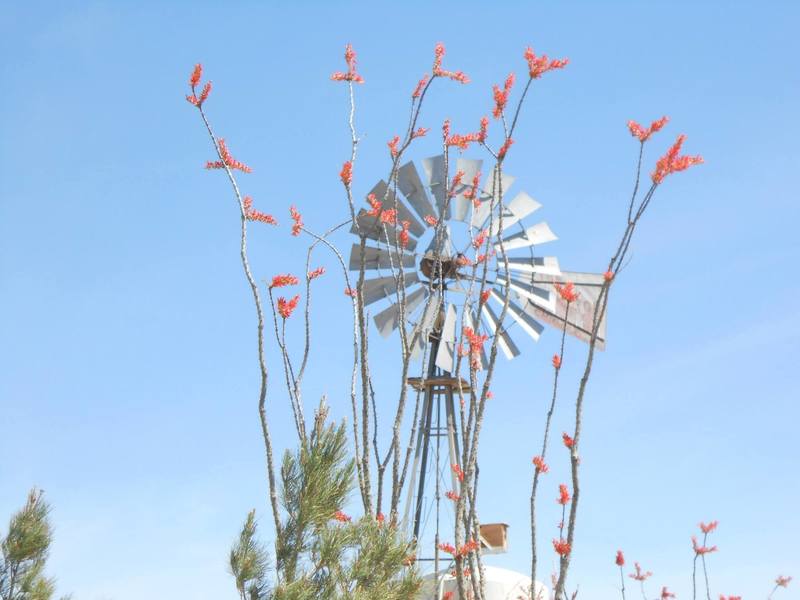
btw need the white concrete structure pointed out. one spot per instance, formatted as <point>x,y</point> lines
<point>501,584</point>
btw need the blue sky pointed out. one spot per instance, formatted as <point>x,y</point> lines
<point>127,370</point>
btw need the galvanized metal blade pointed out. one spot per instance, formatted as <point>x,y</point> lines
<point>461,205</point>
<point>530,325</point>
<point>532,236</point>
<point>424,326</point>
<point>481,214</point>
<point>437,182</point>
<point>505,342</point>
<point>382,287</point>
<point>543,296</point>
<point>409,182</point>
<point>388,319</point>
<point>380,258</point>
<point>447,344</point>
<point>520,207</point>
<point>543,265</point>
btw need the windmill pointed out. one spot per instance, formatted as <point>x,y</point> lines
<point>436,281</point>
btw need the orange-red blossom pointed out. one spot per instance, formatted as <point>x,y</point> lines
<point>539,65</point>
<point>643,134</point>
<point>351,75</point>
<point>671,162</point>
<point>639,575</point>
<point>286,307</point>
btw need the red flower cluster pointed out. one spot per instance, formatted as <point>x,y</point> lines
<point>472,192</point>
<point>561,547</point>
<point>476,342</point>
<point>556,361</point>
<point>315,273</point>
<point>420,86</point>
<point>460,141</point>
<point>341,517</point>
<point>666,594</point>
<point>350,292</point>
<point>431,220</point>
<point>452,496</point>
<point>485,296</point>
<point>458,471</point>
<point>298,220</point>
<point>420,132</point>
<point>782,581</point>
<point>283,281</point>
<point>539,65</point>
<point>351,75</point>
<point>465,548</point>
<point>439,72</point>
<point>643,134</point>
<point>708,527</point>
<point>620,560</point>
<point>672,163</point>
<point>346,174</point>
<point>455,183</point>
<point>698,549</point>
<point>504,148</point>
<point>286,307</point>
<point>449,548</point>
<point>227,160</point>
<point>568,441</point>
<point>567,292</point>
<point>482,257</point>
<point>380,518</point>
<point>608,275</point>
<point>393,145</point>
<point>403,236</point>
<point>389,216</point>
<point>375,204</point>
<point>540,465</point>
<point>480,239</point>
<point>501,96</point>
<point>256,215</point>
<point>563,494</point>
<point>639,575</point>
<point>194,81</point>
<point>723,597</point>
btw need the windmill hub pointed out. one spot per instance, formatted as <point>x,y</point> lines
<point>439,268</point>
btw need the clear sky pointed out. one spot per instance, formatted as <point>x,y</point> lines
<point>128,376</point>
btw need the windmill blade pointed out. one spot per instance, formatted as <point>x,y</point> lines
<point>413,189</point>
<point>382,287</point>
<point>380,258</point>
<point>543,296</point>
<point>423,327</point>
<point>460,204</point>
<point>530,325</point>
<point>505,342</point>
<point>532,236</point>
<point>581,312</point>
<point>447,343</point>
<point>387,320</point>
<point>381,191</point>
<point>520,207</point>
<point>543,265</point>
<point>371,227</point>
<point>437,182</point>
<point>481,215</point>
